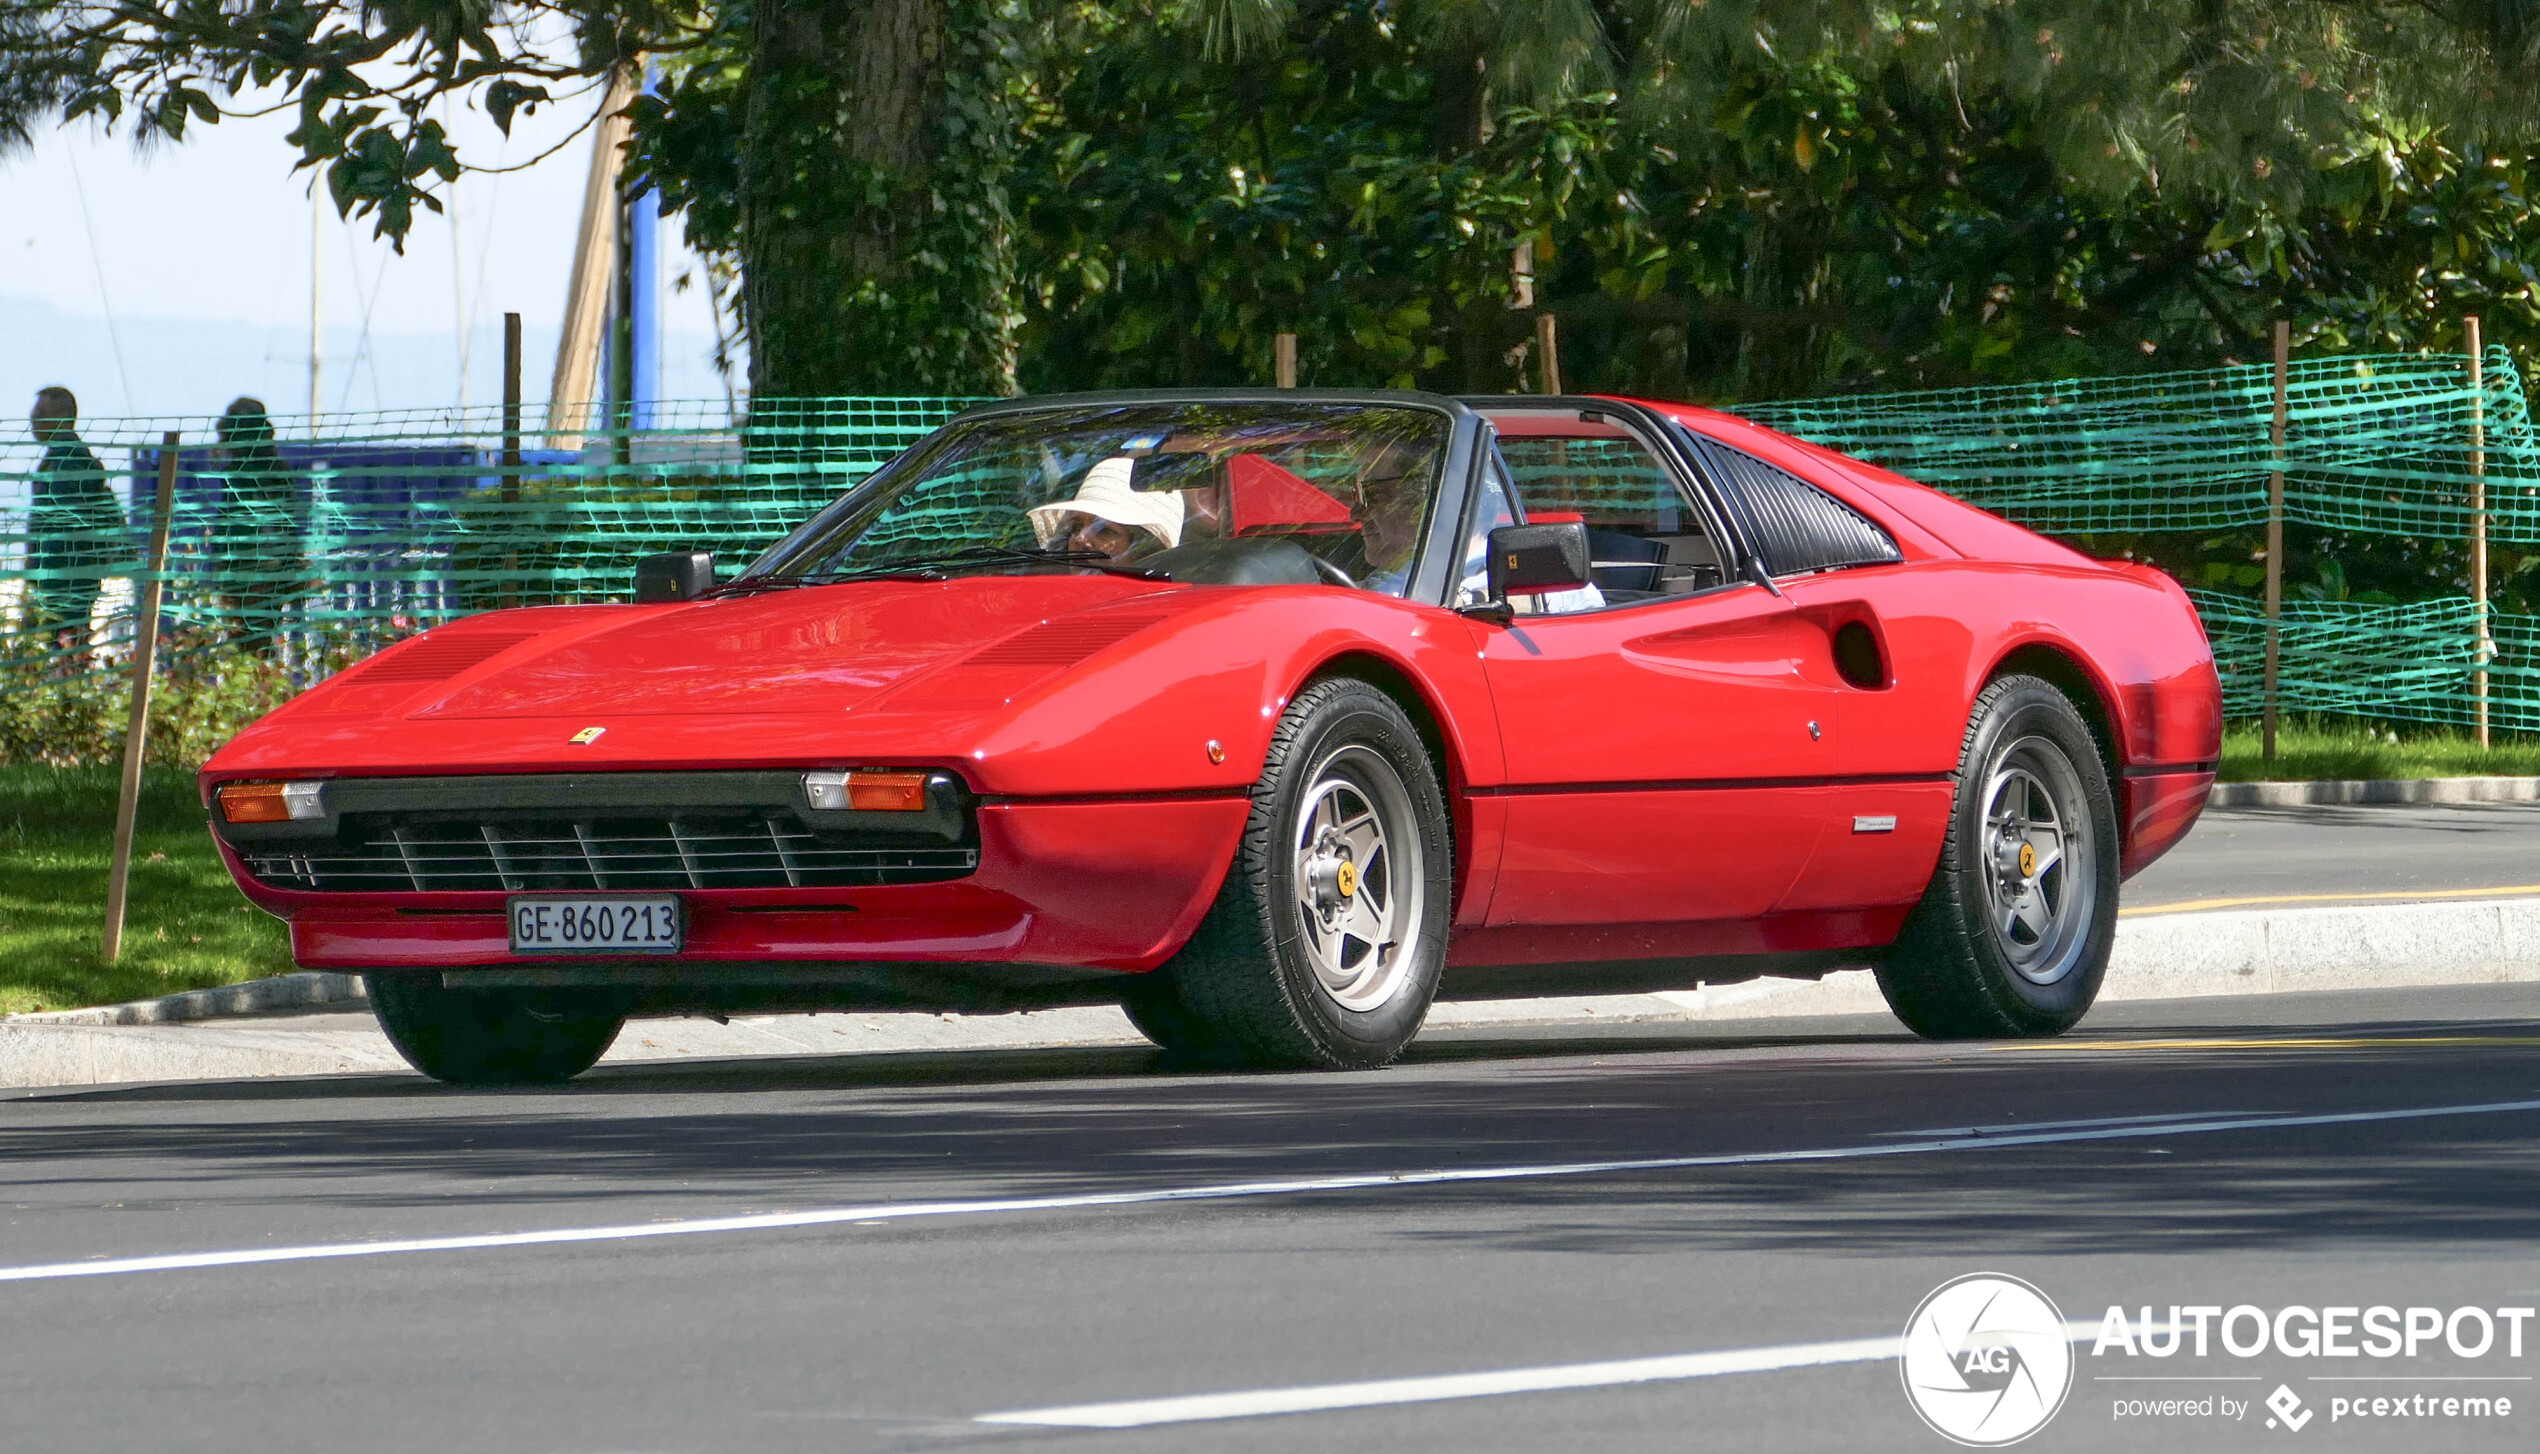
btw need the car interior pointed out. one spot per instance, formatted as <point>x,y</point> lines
<point>1646,537</point>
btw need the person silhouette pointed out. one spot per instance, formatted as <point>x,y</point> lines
<point>257,556</point>
<point>75,528</point>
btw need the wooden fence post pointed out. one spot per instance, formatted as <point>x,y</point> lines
<point>1283,351</point>
<point>2275,533</point>
<point>2485,646</point>
<point>1548,344</point>
<point>145,654</point>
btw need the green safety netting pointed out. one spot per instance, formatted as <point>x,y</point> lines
<point>313,540</point>
<point>2379,443</point>
<point>2415,662</point>
<point>291,534</point>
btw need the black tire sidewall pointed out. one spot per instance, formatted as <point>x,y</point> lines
<point>2031,708</point>
<point>492,1037</point>
<point>1355,714</point>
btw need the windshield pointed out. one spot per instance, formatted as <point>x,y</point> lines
<point>1227,493</point>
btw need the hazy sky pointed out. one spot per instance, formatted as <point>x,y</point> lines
<point>200,255</point>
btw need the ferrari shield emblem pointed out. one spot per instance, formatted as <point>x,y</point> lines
<point>587,736</point>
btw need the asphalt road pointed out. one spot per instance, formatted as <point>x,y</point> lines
<point>2228,1152</point>
<point>2328,855</point>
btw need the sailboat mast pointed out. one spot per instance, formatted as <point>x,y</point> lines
<point>317,299</point>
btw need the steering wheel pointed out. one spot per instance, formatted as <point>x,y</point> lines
<point>1331,572</point>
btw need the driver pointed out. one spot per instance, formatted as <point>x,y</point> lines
<point>1110,517</point>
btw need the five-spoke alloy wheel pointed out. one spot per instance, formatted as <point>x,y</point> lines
<point>1325,945</point>
<point>2013,935</point>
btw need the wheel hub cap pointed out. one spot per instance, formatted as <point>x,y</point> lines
<point>2041,879</point>
<point>1359,878</point>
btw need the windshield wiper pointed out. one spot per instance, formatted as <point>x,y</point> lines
<point>982,554</point>
<point>933,567</point>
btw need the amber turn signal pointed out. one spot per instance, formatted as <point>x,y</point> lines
<point>269,802</point>
<point>887,792</point>
<point>867,792</point>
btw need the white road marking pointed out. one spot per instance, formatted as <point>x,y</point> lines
<point>2019,1126</point>
<point>1253,1403</point>
<point>2217,1121</point>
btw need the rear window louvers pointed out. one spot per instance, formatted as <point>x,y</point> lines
<point>1796,526</point>
<point>438,657</point>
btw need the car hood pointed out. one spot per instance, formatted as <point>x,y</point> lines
<point>822,649</point>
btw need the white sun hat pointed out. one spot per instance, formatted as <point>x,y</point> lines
<point>1106,495</point>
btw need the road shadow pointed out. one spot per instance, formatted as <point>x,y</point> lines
<point>826,1130</point>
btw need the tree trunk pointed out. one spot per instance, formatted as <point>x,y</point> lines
<point>877,251</point>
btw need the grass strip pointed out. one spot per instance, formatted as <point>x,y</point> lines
<point>2325,751</point>
<point>186,927</point>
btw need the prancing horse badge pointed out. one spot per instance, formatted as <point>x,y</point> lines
<point>587,736</point>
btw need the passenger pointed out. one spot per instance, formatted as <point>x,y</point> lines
<point>1110,517</point>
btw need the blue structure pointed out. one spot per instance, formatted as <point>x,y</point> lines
<point>644,295</point>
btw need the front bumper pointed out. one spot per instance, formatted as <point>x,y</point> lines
<point>1099,884</point>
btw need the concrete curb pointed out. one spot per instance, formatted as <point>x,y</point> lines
<point>281,994</point>
<point>2173,956</point>
<point>2375,790</point>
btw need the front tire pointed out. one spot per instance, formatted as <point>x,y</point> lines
<point>1324,948</point>
<point>492,1036</point>
<point>2013,936</point>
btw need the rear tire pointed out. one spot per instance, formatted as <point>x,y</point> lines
<point>2013,936</point>
<point>493,1036</point>
<point>1324,948</point>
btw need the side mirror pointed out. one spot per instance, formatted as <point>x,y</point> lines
<point>674,575</point>
<point>1534,560</point>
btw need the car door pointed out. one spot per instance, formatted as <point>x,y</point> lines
<point>1658,734</point>
<point>1884,796</point>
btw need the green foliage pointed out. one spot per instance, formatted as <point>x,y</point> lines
<point>1729,199</point>
<point>203,697</point>
<point>1180,210</point>
<point>1765,205</point>
<point>186,926</point>
<point>865,195</point>
<point>363,77</point>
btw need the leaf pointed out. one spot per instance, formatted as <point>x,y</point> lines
<point>506,96</point>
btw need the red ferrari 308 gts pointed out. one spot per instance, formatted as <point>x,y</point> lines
<point>1270,716</point>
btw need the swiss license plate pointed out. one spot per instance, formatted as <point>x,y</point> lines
<point>616,924</point>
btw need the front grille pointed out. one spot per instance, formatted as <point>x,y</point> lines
<point>721,852</point>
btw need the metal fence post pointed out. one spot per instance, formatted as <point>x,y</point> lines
<point>2275,532</point>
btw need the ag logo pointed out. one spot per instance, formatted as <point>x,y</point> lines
<point>1987,1360</point>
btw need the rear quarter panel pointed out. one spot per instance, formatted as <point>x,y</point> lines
<point>1976,592</point>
